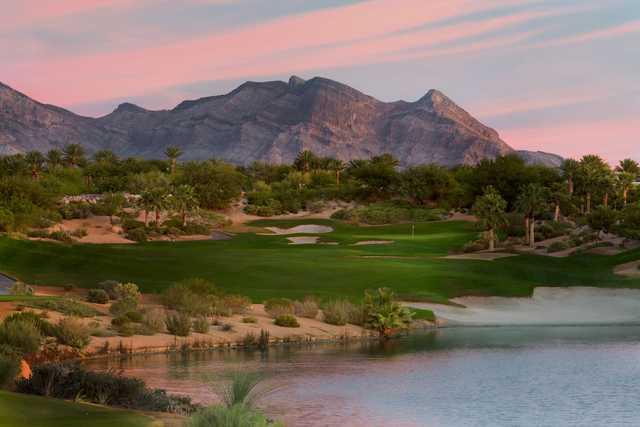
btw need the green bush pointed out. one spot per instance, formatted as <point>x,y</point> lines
<point>109,286</point>
<point>384,314</point>
<point>201,325</point>
<point>195,297</point>
<point>72,332</point>
<point>154,320</point>
<point>75,210</point>
<point>64,306</point>
<point>9,370</point>
<point>237,304</point>
<point>23,336</point>
<point>276,307</point>
<point>235,416</point>
<point>137,235</point>
<point>97,296</point>
<point>287,320</point>
<point>178,325</point>
<point>249,319</point>
<point>557,247</point>
<point>123,306</point>
<point>46,329</point>
<point>61,236</point>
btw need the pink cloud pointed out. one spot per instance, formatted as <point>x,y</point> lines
<point>536,101</point>
<point>233,54</point>
<point>616,31</point>
<point>613,139</point>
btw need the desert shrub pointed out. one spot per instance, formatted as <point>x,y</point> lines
<point>237,304</point>
<point>308,308</point>
<point>226,327</point>
<point>9,369</point>
<point>123,306</point>
<point>338,312</point>
<point>263,340</point>
<point>249,319</point>
<point>135,316</point>
<point>178,325</point>
<point>61,236</point>
<point>75,210</point>
<point>64,306</point>
<point>194,297</point>
<point>109,286</point>
<point>97,296</point>
<point>194,228</point>
<point>276,307</point>
<point>475,246</point>
<point>388,213</point>
<point>69,380</point>
<point>72,332</point>
<point>21,335</point>
<point>287,320</point>
<point>79,233</point>
<point>236,416</point>
<point>557,247</point>
<point>19,288</point>
<point>127,291</point>
<point>137,235</point>
<point>38,234</point>
<point>249,339</point>
<point>201,325</point>
<point>602,219</point>
<point>120,320</point>
<point>154,320</point>
<point>46,329</point>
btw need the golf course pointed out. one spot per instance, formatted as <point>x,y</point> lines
<point>262,265</point>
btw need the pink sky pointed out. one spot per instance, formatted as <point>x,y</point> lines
<point>89,55</point>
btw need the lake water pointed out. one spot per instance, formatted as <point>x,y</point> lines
<point>501,376</point>
<point>5,284</point>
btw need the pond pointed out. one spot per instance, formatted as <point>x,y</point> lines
<point>471,376</point>
<point>5,284</point>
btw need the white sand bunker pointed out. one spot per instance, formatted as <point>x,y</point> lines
<point>301,229</point>
<point>547,306</point>
<point>303,240</point>
<point>373,242</point>
<point>482,256</point>
<point>630,269</point>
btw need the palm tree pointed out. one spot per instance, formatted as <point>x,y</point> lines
<point>184,199</point>
<point>490,210</point>
<point>570,168</point>
<point>305,161</point>
<point>558,196</point>
<point>384,314</point>
<point>35,160</point>
<point>532,202</point>
<point>172,154</point>
<point>337,166</point>
<point>54,160</point>
<point>593,174</point>
<point>147,203</point>
<point>73,154</point>
<point>105,156</point>
<point>628,171</point>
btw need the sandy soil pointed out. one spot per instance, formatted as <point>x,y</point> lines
<point>301,229</point>
<point>629,269</point>
<point>481,256</point>
<point>547,306</point>
<point>373,242</point>
<point>459,216</point>
<point>99,230</point>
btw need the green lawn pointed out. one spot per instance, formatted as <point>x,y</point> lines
<point>34,411</point>
<point>266,266</point>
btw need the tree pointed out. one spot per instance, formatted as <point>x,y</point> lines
<point>490,209</point>
<point>384,314</point>
<point>427,184</point>
<point>216,184</point>
<point>105,156</point>
<point>73,155</point>
<point>337,166</point>
<point>54,160</point>
<point>532,202</point>
<point>593,174</point>
<point>183,199</point>
<point>112,203</point>
<point>173,153</point>
<point>305,161</point>
<point>570,168</point>
<point>35,160</point>
<point>602,219</point>
<point>376,178</point>
<point>560,197</point>
<point>628,171</point>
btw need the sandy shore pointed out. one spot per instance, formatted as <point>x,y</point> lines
<point>547,306</point>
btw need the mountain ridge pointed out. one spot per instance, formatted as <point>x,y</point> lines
<point>268,121</point>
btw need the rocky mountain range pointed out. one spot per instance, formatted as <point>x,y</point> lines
<point>267,121</point>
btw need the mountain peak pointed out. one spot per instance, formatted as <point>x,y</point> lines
<point>127,107</point>
<point>295,82</point>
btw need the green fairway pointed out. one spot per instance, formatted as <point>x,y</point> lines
<point>34,411</point>
<point>266,266</point>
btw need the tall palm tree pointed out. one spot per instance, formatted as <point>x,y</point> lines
<point>105,156</point>
<point>183,199</point>
<point>490,209</point>
<point>628,171</point>
<point>172,154</point>
<point>532,202</point>
<point>570,168</point>
<point>305,161</point>
<point>35,160</point>
<point>337,166</point>
<point>54,160</point>
<point>73,154</point>
<point>593,175</point>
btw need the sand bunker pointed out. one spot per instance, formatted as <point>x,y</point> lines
<point>373,242</point>
<point>547,306</point>
<point>301,229</point>
<point>303,240</point>
<point>630,269</point>
<point>482,256</point>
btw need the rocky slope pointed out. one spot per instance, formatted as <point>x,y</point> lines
<point>268,121</point>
